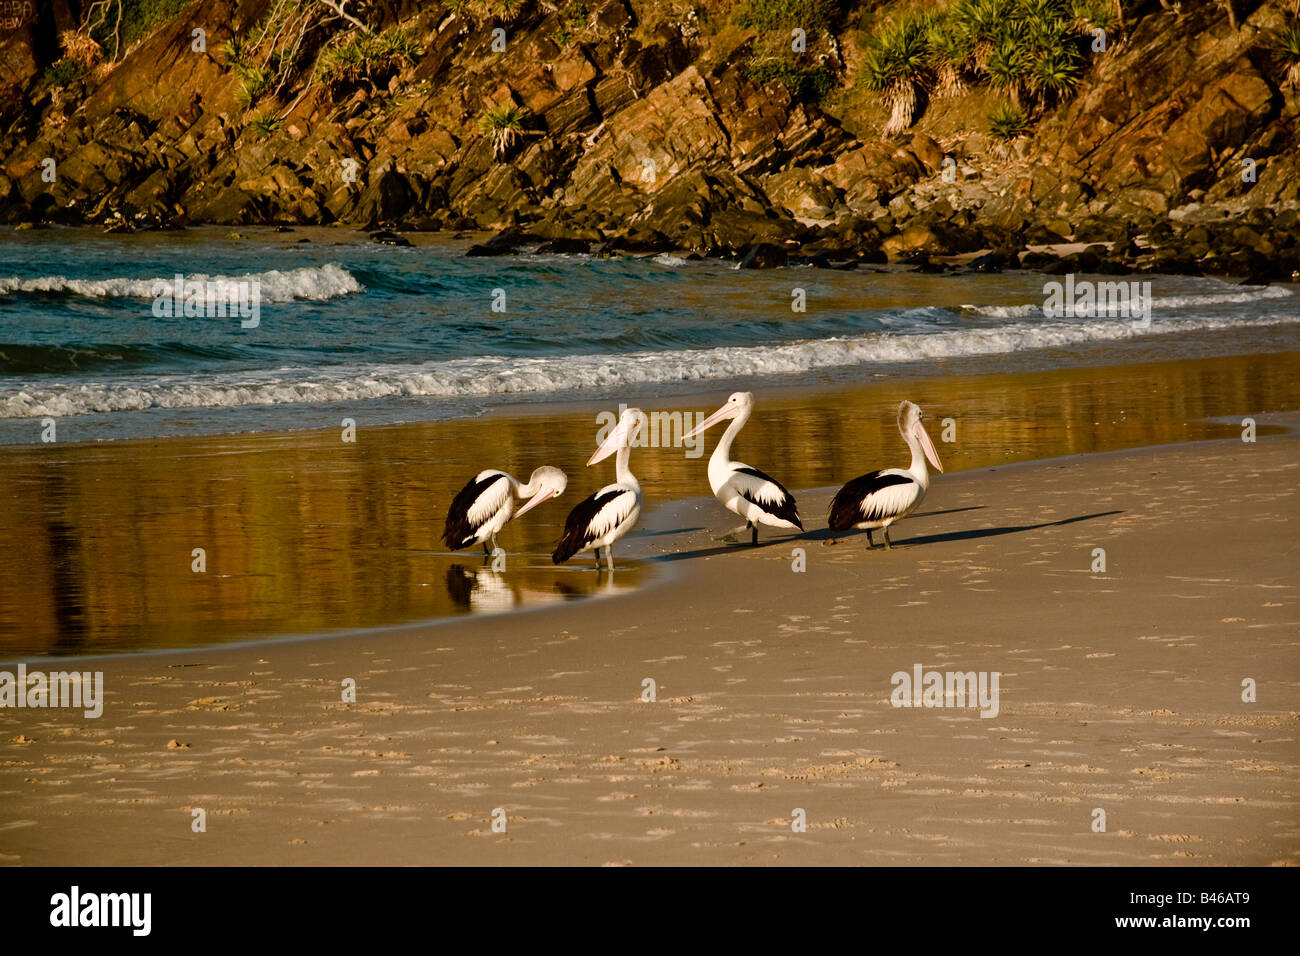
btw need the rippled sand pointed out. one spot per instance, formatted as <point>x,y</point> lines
<point>1120,691</point>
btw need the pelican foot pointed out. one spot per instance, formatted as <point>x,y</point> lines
<point>830,542</point>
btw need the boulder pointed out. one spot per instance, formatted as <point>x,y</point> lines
<point>765,255</point>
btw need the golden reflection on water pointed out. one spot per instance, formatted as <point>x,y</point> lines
<point>304,533</point>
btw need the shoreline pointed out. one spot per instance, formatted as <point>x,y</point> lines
<point>772,693</point>
<point>661,516</point>
<point>91,570</point>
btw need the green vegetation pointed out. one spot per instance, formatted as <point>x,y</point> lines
<point>253,81</point>
<point>62,73</point>
<point>1029,50</point>
<point>812,15</point>
<point>1288,47</point>
<point>806,86</point>
<point>368,57</point>
<point>119,23</point>
<point>895,67</point>
<point>1007,122</point>
<point>504,124</point>
<point>507,10</point>
<point>1092,15</point>
<point>948,53</point>
<point>264,125</point>
<point>573,20</point>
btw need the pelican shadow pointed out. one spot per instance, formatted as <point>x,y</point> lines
<point>973,533</point>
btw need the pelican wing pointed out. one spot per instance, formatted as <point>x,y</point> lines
<point>865,498</point>
<point>766,492</point>
<point>473,505</point>
<point>592,519</point>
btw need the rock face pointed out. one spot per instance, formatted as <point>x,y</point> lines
<point>642,130</point>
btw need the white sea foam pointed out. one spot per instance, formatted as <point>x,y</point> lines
<point>509,375</point>
<point>1169,302</point>
<point>308,283</point>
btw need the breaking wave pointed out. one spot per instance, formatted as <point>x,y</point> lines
<point>515,375</point>
<point>310,283</point>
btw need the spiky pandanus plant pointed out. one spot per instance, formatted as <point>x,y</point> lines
<point>894,68</point>
<point>504,123</point>
<point>1055,74</point>
<point>985,22</point>
<point>264,124</point>
<point>950,49</point>
<point>507,10</point>
<point>1006,68</point>
<point>253,81</point>
<point>1006,123</point>
<point>1288,46</point>
<point>1088,16</point>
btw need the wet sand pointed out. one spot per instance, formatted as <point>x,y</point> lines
<point>304,533</point>
<point>1119,691</point>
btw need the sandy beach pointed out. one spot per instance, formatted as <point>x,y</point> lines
<point>1119,691</point>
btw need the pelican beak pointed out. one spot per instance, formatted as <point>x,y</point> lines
<point>545,494</point>
<point>926,445</point>
<point>726,411</point>
<point>615,440</point>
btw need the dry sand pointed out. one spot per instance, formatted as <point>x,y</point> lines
<point>1120,691</point>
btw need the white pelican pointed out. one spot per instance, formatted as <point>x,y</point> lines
<point>610,513</point>
<point>756,497</point>
<point>880,498</point>
<point>483,506</point>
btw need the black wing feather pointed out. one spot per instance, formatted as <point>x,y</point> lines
<point>786,509</point>
<point>846,506</point>
<point>458,528</point>
<point>576,527</point>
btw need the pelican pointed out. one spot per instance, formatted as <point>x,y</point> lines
<point>483,506</point>
<point>878,499</point>
<point>610,513</point>
<point>756,497</point>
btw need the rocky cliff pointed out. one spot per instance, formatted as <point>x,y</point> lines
<point>653,124</point>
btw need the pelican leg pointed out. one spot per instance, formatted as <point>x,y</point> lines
<point>888,546</point>
<point>494,542</point>
<point>609,556</point>
<point>871,541</point>
<point>596,552</point>
<point>754,529</point>
<point>485,548</point>
<point>733,534</point>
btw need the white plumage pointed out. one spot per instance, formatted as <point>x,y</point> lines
<point>487,503</point>
<point>880,498</point>
<point>744,490</point>
<point>600,520</point>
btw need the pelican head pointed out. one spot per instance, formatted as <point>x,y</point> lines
<point>737,404</point>
<point>544,484</point>
<point>909,423</point>
<point>629,425</point>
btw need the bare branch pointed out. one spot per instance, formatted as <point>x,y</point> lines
<point>337,6</point>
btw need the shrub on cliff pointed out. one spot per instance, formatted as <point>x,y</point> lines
<point>116,24</point>
<point>1288,48</point>
<point>62,73</point>
<point>505,124</point>
<point>806,86</point>
<point>895,66</point>
<point>811,15</point>
<point>372,58</point>
<point>1030,50</point>
<point>1006,122</point>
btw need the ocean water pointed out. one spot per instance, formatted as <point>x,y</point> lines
<point>391,334</point>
